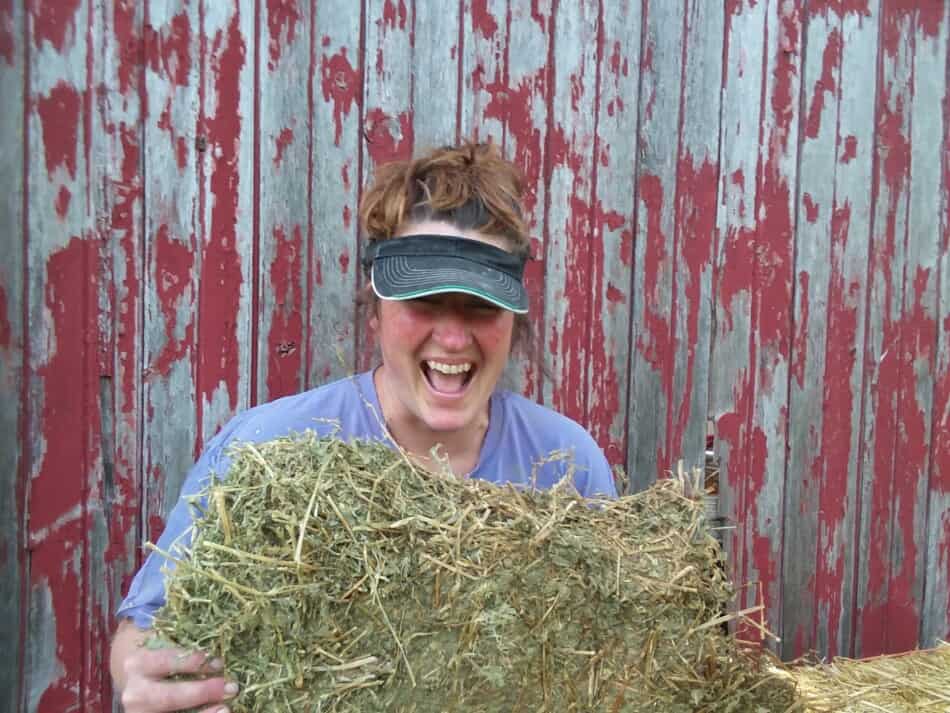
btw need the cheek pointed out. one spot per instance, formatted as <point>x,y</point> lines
<point>497,335</point>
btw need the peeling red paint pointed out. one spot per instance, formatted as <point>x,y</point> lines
<point>850,149</point>
<point>802,326</point>
<point>826,83</point>
<point>626,247</point>
<point>178,144</point>
<point>53,20</point>
<point>344,261</point>
<point>837,425</point>
<point>391,11</point>
<point>129,44</point>
<point>811,208</point>
<point>839,7</point>
<point>283,140</point>
<point>59,120</point>
<point>342,85</point>
<point>281,15</point>
<point>347,217</point>
<point>69,424</point>
<point>482,19</point>
<point>169,49</point>
<point>614,294</point>
<point>62,201</point>
<point>695,213</point>
<point>174,262</point>
<point>221,263</point>
<point>382,144</point>
<point>7,44</point>
<point>286,338</point>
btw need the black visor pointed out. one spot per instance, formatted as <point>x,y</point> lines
<point>420,265</point>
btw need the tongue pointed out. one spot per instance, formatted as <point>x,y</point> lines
<point>446,383</point>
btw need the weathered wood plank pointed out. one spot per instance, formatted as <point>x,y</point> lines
<point>484,48</point>
<point>437,42</point>
<point>14,453</point>
<point>766,439</point>
<point>521,102</point>
<point>882,351</point>
<point>227,194</point>
<point>918,332</point>
<point>830,302</point>
<point>282,147</point>
<point>935,613</point>
<point>697,175</point>
<point>336,175</point>
<point>173,143</point>
<point>573,256</point>
<point>652,363</point>
<point>115,493</point>
<point>388,120</point>
<point>63,280</point>
<point>612,215</point>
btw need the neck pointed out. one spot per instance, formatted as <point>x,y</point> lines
<point>461,447</point>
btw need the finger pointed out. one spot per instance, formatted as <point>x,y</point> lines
<point>159,663</point>
<point>142,695</point>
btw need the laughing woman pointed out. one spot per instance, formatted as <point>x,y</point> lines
<point>445,300</point>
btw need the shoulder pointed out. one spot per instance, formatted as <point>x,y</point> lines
<point>341,407</point>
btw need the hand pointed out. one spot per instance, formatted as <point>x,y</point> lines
<point>149,690</point>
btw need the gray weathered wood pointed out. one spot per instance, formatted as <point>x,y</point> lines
<point>13,459</point>
<point>227,217</point>
<point>573,256</point>
<point>485,48</point>
<point>337,174</point>
<point>285,66</point>
<point>613,214</point>
<point>730,374</point>
<point>651,369</point>
<point>173,142</point>
<point>435,64</point>
<point>882,343</point>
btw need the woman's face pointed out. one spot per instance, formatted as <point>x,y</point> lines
<point>442,355</point>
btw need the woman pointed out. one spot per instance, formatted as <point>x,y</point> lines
<point>446,303</point>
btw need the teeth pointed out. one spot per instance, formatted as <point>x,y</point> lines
<point>449,368</point>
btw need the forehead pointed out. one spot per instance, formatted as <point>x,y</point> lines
<point>440,227</point>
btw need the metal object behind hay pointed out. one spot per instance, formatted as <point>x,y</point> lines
<point>335,577</point>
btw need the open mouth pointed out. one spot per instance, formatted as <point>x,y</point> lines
<point>448,379</point>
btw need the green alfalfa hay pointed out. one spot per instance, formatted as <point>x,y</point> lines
<point>336,577</point>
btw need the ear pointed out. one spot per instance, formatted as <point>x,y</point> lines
<point>374,320</point>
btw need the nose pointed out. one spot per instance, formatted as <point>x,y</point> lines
<point>451,331</point>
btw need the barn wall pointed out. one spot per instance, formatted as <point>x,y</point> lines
<point>740,218</point>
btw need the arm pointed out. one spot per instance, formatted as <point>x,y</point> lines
<point>140,676</point>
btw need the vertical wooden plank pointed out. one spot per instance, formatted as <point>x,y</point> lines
<point>573,256</point>
<point>485,47</point>
<point>115,495</point>
<point>521,105</point>
<point>831,274</point>
<point>612,230</point>
<point>173,145</point>
<point>64,277</point>
<point>14,456</point>
<point>755,287</point>
<point>883,340</point>
<point>437,44</point>
<point>918,333</point>
<point>335,174</point>
<point>388,119</point>
<point>283,202</point>
<point>652,367</point>
<point>227,283</point>
<point>697,176</point>
<point>935,616</point>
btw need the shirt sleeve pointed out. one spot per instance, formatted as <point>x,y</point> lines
<point>596,478</point>
<point>147,591</point>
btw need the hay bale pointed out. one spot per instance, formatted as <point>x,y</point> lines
<point>897,683</point>
<point>339,577</point>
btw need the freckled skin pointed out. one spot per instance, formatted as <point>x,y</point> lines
<point>452,328</point>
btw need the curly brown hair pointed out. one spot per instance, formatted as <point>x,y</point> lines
<point>470,186</point>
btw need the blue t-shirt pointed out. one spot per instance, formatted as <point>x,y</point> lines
<point>520,435</point>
